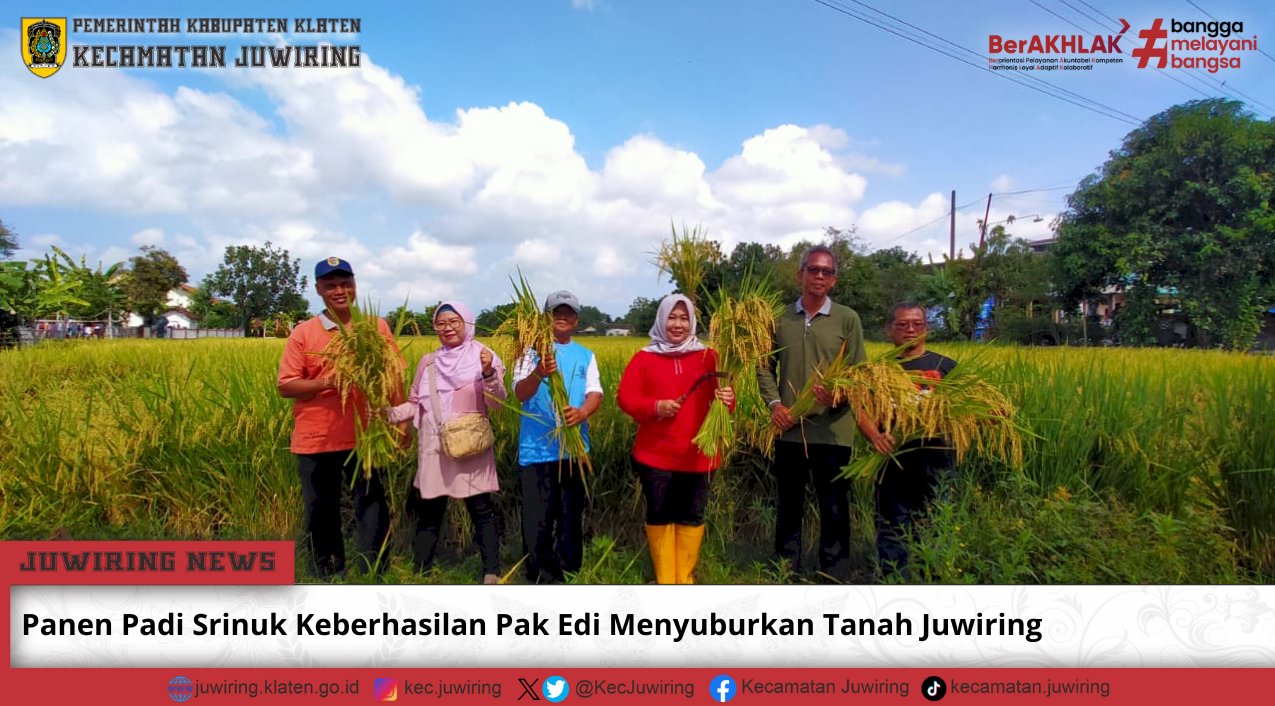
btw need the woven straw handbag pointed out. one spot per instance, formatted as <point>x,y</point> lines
<point>467,435</point>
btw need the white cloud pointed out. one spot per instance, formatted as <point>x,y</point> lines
<point>612,263</point>
<point>44,240</point>
<point>112,255</point>
<point>646,172</point>
<point>536,253</point>
<point>588,5</point>
<point>1002,183</point>
<point>427,254</point>
<point>148,236</point>
<point>119,144</point>
<point>485,189</point>
<point>925,228</point>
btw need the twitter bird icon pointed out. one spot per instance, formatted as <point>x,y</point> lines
<point>555,689</point>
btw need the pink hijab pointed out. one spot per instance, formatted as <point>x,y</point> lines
<point>459,365</point>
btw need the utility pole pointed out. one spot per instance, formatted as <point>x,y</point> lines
<point>986,214</point>
<point>951,248</point>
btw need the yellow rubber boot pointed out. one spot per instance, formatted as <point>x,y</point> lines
<point>689,540</point>
<point>661,539</point>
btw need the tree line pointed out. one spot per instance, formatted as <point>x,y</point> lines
<point>253,288</point>
<point>1178,222</point>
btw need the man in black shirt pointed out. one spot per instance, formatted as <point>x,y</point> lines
<point>908,484</point>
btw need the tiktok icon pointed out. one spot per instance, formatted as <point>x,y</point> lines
<point>933,689</point>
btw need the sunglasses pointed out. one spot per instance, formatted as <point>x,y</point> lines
<point>825,271</point>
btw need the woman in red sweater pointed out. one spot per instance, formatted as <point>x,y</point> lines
<point>667,389</point>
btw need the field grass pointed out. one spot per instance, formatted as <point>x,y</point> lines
<point>1147,466</point>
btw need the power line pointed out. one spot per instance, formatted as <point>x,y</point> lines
<point>1251,99</point>
<point>1104,111</point>
<point>1100,12</point>
<point>1033,191</point>
<point>1082,12</point>
<point>1162,72</point>
<point>927,225</point>
<point>1211,17</point>
<point>1220,89</point>
<point>981,58</point>
<point>1064,19</point>
<point>1221,85</point>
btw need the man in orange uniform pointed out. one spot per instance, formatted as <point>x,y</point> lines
<point>323,431</point>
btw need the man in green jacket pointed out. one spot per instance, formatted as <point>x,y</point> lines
<point>809,335</point>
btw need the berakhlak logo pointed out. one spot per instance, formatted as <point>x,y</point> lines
<point>385,689</point>
<point>1149,50</point>
<point>556,689</point>
<point>722,688</point>
<point>44,44</point>
<point>180,689</point>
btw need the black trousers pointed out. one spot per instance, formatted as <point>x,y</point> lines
<point>794,467</point>
<point>673,497</point>
<point>324,476</point>
<point>552,519</point>
<point>429,514</point>
<point>907,488</point>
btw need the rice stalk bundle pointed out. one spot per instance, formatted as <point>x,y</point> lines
<point>529,327</point>
<point>686,258</point>
<point>742,331</point>
<point>962,409</point>
<point>974,415</point>
<point>368,372</point>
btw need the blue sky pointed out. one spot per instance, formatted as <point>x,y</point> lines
<point>563,137</point>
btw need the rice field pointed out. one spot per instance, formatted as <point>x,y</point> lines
<point>1141,466</point>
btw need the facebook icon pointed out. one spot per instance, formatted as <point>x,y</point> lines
<point>722,688</point>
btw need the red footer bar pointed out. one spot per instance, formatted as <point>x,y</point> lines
<point>788,687</point>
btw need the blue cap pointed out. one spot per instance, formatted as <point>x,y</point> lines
<point>330,265</point>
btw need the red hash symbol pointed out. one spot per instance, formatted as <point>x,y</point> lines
<point>1148,51</point>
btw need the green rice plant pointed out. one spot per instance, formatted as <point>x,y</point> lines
<point>528,327</point>
<point>961,408</point>
<point>742,329</point>
<point>1244,459</point>
<point>686,259</point>
<point>1142,465</point>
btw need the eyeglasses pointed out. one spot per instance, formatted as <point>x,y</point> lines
<point>450,324</point>
<point>825,271</point>
<point>905,325</point>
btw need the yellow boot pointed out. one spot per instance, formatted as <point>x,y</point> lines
<point>661,539</point>
<point>689,540</point>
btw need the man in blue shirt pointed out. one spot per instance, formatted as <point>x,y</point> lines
<point>553,484</point>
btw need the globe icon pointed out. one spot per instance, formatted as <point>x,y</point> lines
<point>180,689</point>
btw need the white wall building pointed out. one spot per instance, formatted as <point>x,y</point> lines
<point>178,312</point>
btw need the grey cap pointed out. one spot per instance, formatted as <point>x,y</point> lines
<point>557,299</point>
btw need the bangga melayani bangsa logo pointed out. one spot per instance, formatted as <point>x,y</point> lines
<point>44,44</point>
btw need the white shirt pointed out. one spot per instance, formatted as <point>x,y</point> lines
<point>527,365</point>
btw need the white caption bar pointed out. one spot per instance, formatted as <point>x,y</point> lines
<point>643,626</point>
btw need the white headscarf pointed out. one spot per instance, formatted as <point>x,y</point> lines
<point>659,332</point>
